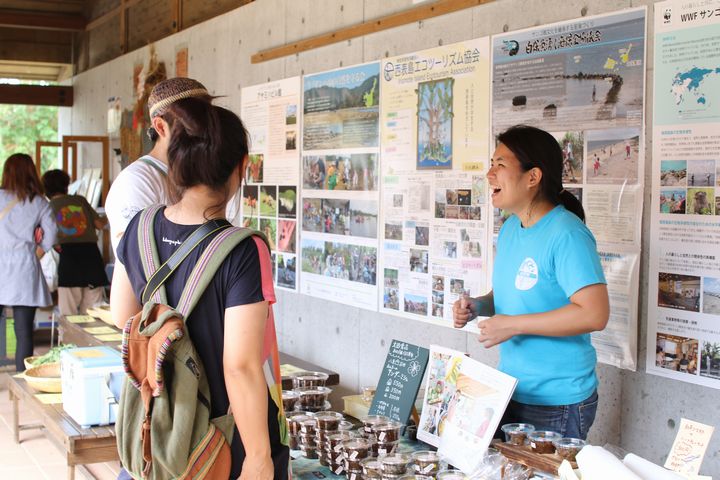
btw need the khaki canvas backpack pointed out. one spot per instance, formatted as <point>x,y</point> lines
<point>164,430</point>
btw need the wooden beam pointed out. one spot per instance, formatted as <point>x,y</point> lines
<point>109,15</point>
<point>28,51</point>
<point>123,27</point>
<point>440,7</point>
<point>36,95</point>
<point>45,21</point>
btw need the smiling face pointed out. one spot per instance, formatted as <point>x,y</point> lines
<point>512,188</point>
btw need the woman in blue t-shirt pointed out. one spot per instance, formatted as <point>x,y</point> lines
<point>549,291</point>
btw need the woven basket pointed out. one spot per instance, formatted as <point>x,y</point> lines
<point>45,378</point>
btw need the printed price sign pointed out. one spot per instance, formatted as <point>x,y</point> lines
<point>400,381</point>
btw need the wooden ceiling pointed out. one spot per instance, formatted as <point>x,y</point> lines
<point>52,39</point>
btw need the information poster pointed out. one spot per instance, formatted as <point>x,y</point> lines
<point>270,193</point>
<point>584,81</point>
<point>684,279</point>
<point>340,191</point>
<point>435,146</point>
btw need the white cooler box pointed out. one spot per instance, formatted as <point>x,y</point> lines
<point>91,382</point>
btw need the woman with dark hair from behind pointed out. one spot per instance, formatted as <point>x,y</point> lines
<point>230,326</point>
<point>23,208</point>
<point>549,291</point>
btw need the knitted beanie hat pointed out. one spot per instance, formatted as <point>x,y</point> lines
<point>171,90</point>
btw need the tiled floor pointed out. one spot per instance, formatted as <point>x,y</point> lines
<point>35,457</point>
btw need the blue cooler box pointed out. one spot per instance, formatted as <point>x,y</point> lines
<point>92,378</point>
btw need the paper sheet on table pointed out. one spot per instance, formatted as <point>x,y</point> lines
<point>689,448</point>
<point>49,398</point>
<point>647,470</point>
<point>596,463</point>
<point>100,330</point>
<point>80,318</point>
<point>110,337</point>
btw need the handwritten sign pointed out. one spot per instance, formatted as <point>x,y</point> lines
<point>688,450</point>
<point>400,381</point>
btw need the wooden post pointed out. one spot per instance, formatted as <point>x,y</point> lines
<point>38,154</point>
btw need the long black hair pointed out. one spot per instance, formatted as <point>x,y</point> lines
<point>536,148</point>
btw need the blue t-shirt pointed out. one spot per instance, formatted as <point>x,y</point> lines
<point>538,269</point>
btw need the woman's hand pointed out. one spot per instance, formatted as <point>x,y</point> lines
<point>257,468</point>
<point>463,312</point>
<point>496,329</point>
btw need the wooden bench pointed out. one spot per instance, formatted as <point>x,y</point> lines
<point>81,445</point>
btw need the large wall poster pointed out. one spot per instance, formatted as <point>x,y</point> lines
<point>684,277</point>
<point>340,190</point>
<point>434,143</point>
<point>584,81</point>
<point>270,194</point>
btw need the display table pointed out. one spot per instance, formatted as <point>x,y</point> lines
<point>78,334</point>
<point>81,445</point>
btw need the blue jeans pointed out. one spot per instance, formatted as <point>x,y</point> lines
<point>572,420</point>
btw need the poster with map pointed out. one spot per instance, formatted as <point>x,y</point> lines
<point>583,81</point>
<point>684,281</point>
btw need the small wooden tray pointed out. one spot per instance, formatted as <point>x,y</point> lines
<point>544,462</point>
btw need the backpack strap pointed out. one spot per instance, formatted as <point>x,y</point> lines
<point>208,264</point>
<point>148,248</point>
<point>204,231</point>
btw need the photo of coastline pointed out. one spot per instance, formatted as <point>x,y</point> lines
<point>613,156</point>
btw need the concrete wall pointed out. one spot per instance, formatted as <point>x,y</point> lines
<point>638,412</point>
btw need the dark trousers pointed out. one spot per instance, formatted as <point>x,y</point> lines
<point>24,318</point>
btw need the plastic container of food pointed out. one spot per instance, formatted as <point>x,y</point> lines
<point>324,435</point>
<point>293,445</point>
<point>371,420</point>
<point>353,474</point>
<point>450,475</point>
<point>289,399</point>
<point>345,426</point>
<point>307,440</point>
<point>516,433</point>
<point>368,393</point>
<point>387,432</point>
<point>336,440</point>
<point>356,449</point>
<point>396,464</point>
<point>382,449</point>
<point>426,462</point>
<point>371,468</point>
<point>308,452</point>
<point>294,422</point>
<point>309,379</point>
<point>328,420</point>
<point>308,426</point>
<point>312,399</point>
<point>568,447</point>
<point>541,441</point>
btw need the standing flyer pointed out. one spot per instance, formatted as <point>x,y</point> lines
<point>435,146</point>
<point>270,194</point>
<point>684,280</point>
<point>340,185</point>
<point>584,81</point>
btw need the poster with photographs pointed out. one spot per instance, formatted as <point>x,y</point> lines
<point>435,143</point>
<point>684,281</point>
<point>340,185</point>
<point>583,81</point>
<point>463,405</point>
<point>270,193</point>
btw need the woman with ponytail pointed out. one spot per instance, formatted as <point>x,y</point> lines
<point>549,292</point>
<point>231,326</point>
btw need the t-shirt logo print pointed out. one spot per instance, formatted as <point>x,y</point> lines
<point>527,275</point>
<point>72,221</point>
